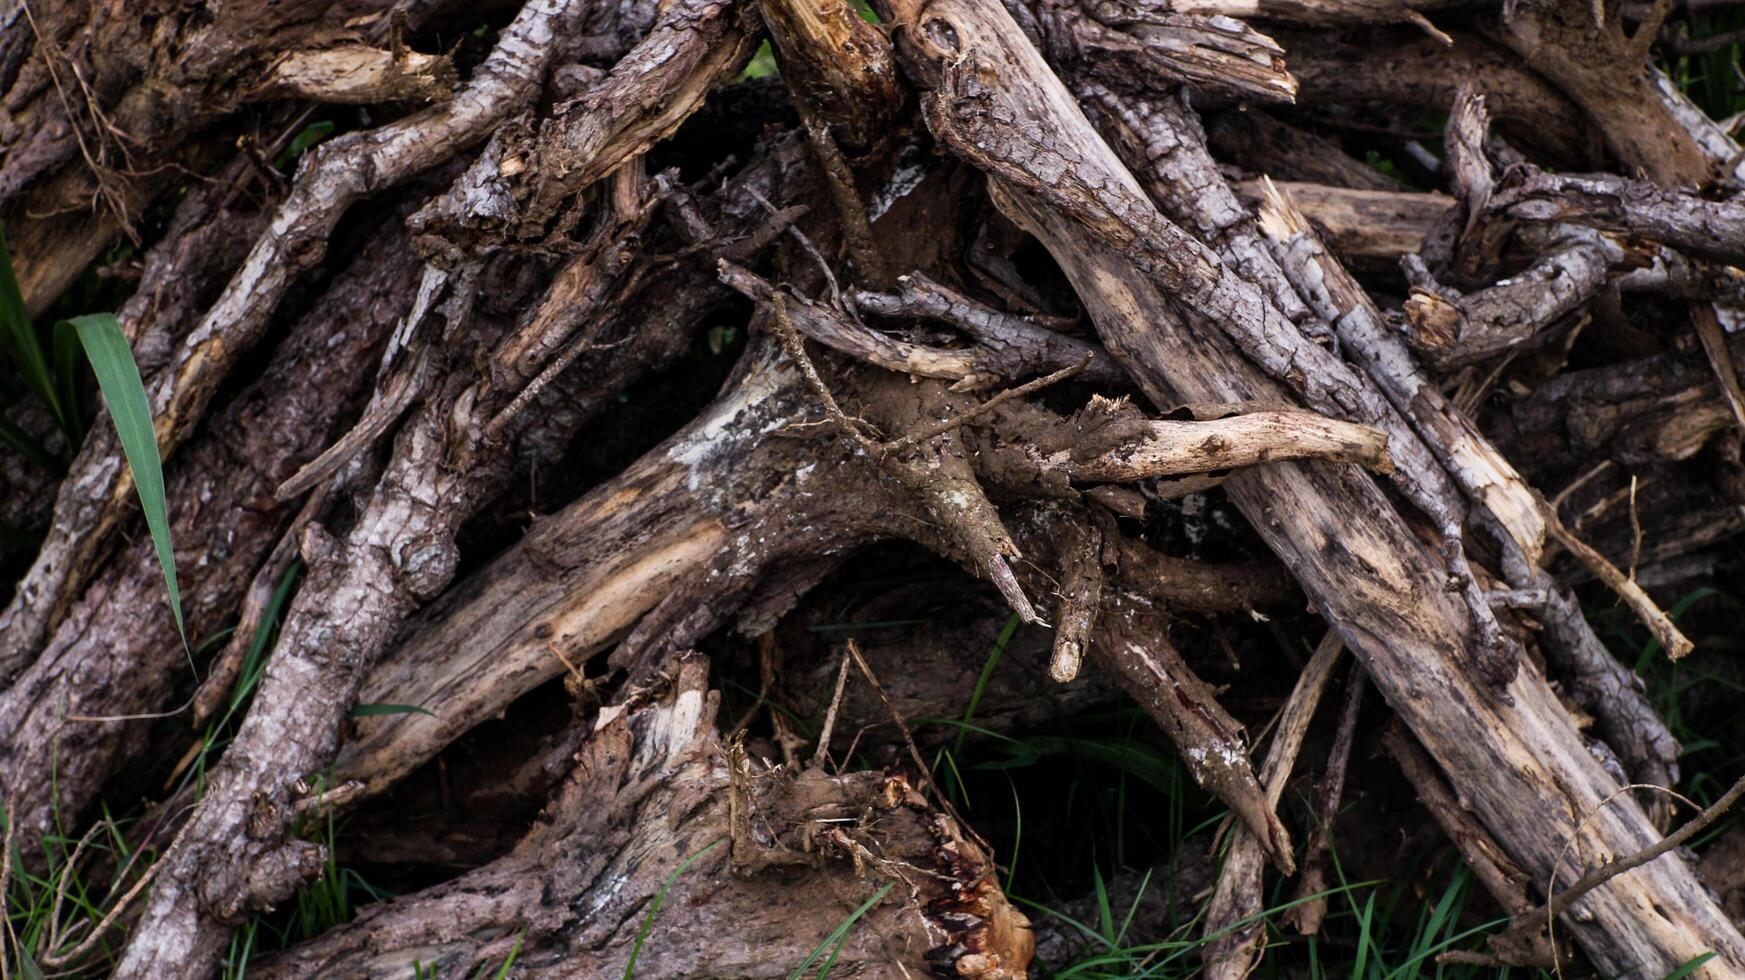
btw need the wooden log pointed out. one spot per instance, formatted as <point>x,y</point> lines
<point>1514,756</point>
<point>1367,228</point>
<point>83,709</point>
<point>743,870</point>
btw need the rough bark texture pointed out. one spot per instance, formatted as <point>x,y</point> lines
<point>586,382</point>
<point>1370,577</point>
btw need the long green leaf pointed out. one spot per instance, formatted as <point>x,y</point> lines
<point>654,907</point>
<point>123,391</point>
<point>21,341</point>
<point>28,447</point>
<point>833,943</point>
<point>1690,966</point>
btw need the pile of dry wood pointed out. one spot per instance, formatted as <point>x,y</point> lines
<point>1438,410</point>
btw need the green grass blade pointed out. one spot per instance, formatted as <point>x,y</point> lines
<point>1690,966</point>
<point>975,697</point>
<point>123,391</point>
<point>648,920</point>
<point>838,936</point>
<point>1365,919</point>
<point>65,369</point>
<point>514,951</point>
<point>993,660</point>
<point>29,448</point>
<point>250,673</point>
<point>1105,916</point>
<point>20,339</point>
<point>310,135</point>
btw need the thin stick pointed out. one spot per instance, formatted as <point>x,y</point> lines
<point>1028,387</point>
<point>856,230</point>
<point>103,927</point>
<point>1307,916</point>
<point>65,879</point>
<point>805,243</point>
<point>1611,869</point>
<point>823,751</point>
<point>1658,623</point>
<point>1720,359</point>
<point>925,773</point>
<point>1495,871</point>
<point>1635,531</point>
<point>1081,594</point>
<point>796,350</point>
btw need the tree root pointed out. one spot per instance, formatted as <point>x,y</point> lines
<point>658,805</point>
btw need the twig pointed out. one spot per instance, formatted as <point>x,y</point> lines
<point>1522,943</point>
<point>959,503</point>
<point>1499,875</point>
<point>1611,869</point>
<point>766,672</point>
<point>839,178</point>
<point>805,243</point>
<point>1581,481</point>
<point>1081,591</point>
<point>1648,29</point>
<point>103,927</point>
<point>577,674</point>
<point>338,796</point>
<point>796,351</point>
<point>1635,531</point>
<point>1232,925</point>
<point>1307,916</point>
<point>1720,359</point>
<point>63,880</point>
<point>1029,387</point>
<point>925,773</point>
<point>823,751</point>
<point>1658,623</point>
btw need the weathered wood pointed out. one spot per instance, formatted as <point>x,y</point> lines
<point>1256,142</point>
<point>1707,229</point>
<point>1401,67</point>
<point>1604,70</point>
<point>82,709</point>
<point>448,459</point>
<point>337,175</point>
<point>762,864</point>
<point>1519,763</point>
<point>1362,227</point>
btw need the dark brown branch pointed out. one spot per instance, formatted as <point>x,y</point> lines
<point>1708,229</point>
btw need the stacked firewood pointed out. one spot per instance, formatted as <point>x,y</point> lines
<point>1009,281</point>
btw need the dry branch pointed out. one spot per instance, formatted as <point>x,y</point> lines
<point>337,175</point>
<point>1517,314</point>
<point>1234,926</point>
<point>445,464</point>
<point>653,786</point>
<point>81,711</point>
<point>1377,586</point>
<point>525,296</point>
<point>1362,227</point>
<point>1310,908</point>
<point>1703,228</point>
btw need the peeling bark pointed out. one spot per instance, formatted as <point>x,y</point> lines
<point>1377,586</point>
<point>654,787</point>
<point>82,709</point>
<point>472,395</point>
